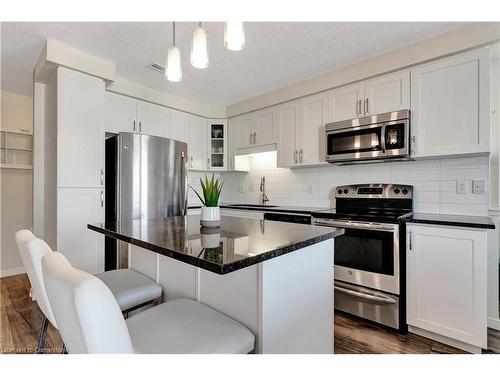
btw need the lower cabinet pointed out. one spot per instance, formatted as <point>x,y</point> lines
<point>447,282</point>
<point>76,208</point>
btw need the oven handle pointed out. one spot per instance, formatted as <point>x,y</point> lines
<point>377,300</point>
<point>356,225</point>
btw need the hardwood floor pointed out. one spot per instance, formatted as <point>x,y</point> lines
<point>21,320</point>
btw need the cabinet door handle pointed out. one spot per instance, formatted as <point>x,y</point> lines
<point>301,156</point>
<point>254,137</point>
<point>140,127</point>
<point>134,126</point>
<point>359,107</point>
<point>410,247</point>
<point>251,135</point>
<point>295,157</point>
<point>102,198</point>
<point>208,161</point>
<point>102,176</point>
<point>366,106</point>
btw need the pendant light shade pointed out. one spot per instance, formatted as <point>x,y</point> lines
<point>199,48</point>
<point>234,36</point>
<point>173,66</point>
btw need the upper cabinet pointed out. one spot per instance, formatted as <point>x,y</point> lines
<point>179,126</point>
<point>314,114</point>
<point>346,102</point>
<point>197,143</point>
<point>289,122</point>
<point>217,144</point>
<point>80,130</point>
<point>124,114</point>
<point>153,119</point>
<point>121,113</point>
<point>450,103</point>
<point>256,129</point>
<point>386,93</point>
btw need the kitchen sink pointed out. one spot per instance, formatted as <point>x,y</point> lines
<point>250,205</point>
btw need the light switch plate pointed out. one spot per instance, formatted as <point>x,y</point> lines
<point>478,187</point>
<point>310,188</point>
<point>461,187</point>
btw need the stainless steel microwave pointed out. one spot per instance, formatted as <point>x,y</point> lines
<point>380,137</point>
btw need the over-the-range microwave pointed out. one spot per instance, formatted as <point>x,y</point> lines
<point>382,137</point>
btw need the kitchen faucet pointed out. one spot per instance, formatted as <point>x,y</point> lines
<point>264,198</point>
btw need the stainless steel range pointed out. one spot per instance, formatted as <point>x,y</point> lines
<point>368,260</point>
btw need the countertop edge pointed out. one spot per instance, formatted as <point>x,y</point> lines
<point>207,265</point>
<point>448,222</point>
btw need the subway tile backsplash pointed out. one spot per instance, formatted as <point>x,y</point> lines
<point>434,181</point>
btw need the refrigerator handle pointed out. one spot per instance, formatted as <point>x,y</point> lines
<point>184,179</point>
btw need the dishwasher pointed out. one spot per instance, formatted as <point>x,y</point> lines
<point>288,218</point>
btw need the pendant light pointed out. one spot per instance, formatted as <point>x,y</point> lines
<point>173,67</point>
<point>199,48</point>
<point>234,36</point>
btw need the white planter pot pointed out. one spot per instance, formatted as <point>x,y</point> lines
<point>210,217</point>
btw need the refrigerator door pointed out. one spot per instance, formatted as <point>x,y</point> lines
<point>152,177</point>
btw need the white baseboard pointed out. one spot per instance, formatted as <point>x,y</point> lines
<point>12,271</point>
<point>445,340</point>
<point>494,323</point>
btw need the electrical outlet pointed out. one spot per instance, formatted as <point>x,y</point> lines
<point>461,187</point>
<point>478,187</point>
<point>310,188</point>
<point>243,189</point>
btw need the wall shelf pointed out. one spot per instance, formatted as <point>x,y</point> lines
<point>16,148</point>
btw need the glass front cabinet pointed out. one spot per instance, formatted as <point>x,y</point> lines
<point>217,145</point>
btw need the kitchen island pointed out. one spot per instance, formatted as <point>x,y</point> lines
<point>275,278</point>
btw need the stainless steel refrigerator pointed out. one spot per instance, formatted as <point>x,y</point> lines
<point>146,178</point>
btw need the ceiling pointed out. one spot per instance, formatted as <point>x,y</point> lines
<point>276,53</point>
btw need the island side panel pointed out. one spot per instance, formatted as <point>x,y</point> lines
<point>296,299</point>
<point>143,261</point>
<point>234,294</point>
<point>177,279</point>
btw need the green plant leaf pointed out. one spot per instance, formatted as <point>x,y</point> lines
<point>201,199</point>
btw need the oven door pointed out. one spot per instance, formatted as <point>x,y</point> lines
<point>367,254</point>
<point>363,142</point>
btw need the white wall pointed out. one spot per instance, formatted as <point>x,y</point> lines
<point>16,186</point>
<point>434,181</point>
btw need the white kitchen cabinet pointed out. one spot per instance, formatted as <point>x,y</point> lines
<point>450,104</point>
<point>345,102</point>
<point>288,144</point>
<point>314,111</point>
<point>217,145</point>
<point>153,119</point>
<point>121,113</point>
<point>76,208</point>
<point>265,128</point>
<point>197,143</point>
<point>387,93</point>
<point>80,129</point>
<point>446,282</point>
<point>244,126</point>
<point>179,126</point>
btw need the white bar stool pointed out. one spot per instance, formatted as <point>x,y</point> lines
<point>130,288</point>
<point>90,320</point>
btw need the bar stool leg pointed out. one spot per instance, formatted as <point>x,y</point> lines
<point>42,336</point>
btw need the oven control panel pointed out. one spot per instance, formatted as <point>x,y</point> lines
<point>381,191</point>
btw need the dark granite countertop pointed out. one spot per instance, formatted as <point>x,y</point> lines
<point>452,220</point>
<point>238,243</point>
<point>285,209</point>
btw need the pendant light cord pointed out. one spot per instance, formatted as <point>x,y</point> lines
<point>173,34</point>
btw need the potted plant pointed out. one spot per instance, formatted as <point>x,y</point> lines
<point>210,212</point>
